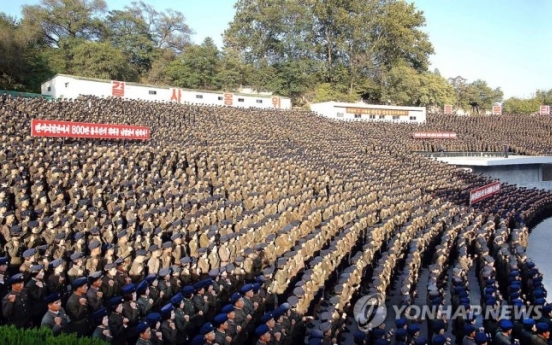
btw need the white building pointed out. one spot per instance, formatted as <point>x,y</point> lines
<point>69,86</point>
<point>362,111</point>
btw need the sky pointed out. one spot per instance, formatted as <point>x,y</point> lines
<point>504,42</point>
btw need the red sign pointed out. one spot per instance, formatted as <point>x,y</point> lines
<point>545,110</point>
<point>66,129</point>
<point>484,192</point>
<point>228,99</point>
<point>117,88</point>
<point>434,135</point>
<point>176,94</point>
<point>497,110</point>
<point>448,109</point>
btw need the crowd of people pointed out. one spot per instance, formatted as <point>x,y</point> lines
<point>255,226</point>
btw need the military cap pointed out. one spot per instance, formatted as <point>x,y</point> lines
<point>228,308</point>
<point>469,328</point>
<point>220,319</point>
<point>267,317</point>
<point>36,268</point>
<point>235,297</point>
<point>325,326</point>
<point>76,256</point>
<point>128,289</point>
<point>95,230</point>
<point>56,296</point>
<point>198,340</point>
<point>3,261</point>
<point>119,261</point>
<point>32,224</point>
<point>207,328</point>
<point>153,318</point>
<point>141,287</point>
<point>299,292</point>
<point>261,330</point>
<point>539,301</point>
<point>246,288</point>
<point>29,252</point>
<point>316,334</point>
<point>142,326</point>
<point>359,336</point>
<point>151,278</point>
<point>547,309</point>
<point>94,277</point>
<point>122,234</point>
<point>153,247</point>
<point>542,327</point>
<point>420,341</point>
<point>24,197</point>
<point>214,273</point>
<point>176,236</point>
<point>9,213</point>
<point>16,230</point>
<point>109,266</point>
<point>167,309</point>
<point>202,250</point>
<point>94,244</point>
<point>230,267</point>
<point>17,278</point>
<point>240,259</point>
<point>157,231</point>
<point>293,301</point>
<point>401,333</point>
<point>99,314</point>
<point>530,264</point>
<point>528,322</point>
<point>77,283</point>
<point>480,338</point>
<point>325,316</point>
<point>56,263</point>
<point>401,322</point>
<point>413,328</point>
<point>79,215</point>
<point>188,290</point>
<point>3,204</point>
<point>115,301</point>
<point>505,325</point>
<point>185,260</point>
<point>164,272</point>
<point>177,299</point>
<point>268,271</point>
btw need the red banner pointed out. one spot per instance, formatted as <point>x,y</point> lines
<point>448,109</point>
<point>497,110</point>
<point>434,135</point>
<point>545,110</point>
<point>117,88</point>
<point>484,192</point>
<point>66,129</point>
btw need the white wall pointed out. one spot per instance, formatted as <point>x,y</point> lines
<point>336,110</point>
<point>64,86</point>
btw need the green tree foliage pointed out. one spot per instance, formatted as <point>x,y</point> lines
<point>476,92</point>
<point>520,106</point>
<point>18,336</point>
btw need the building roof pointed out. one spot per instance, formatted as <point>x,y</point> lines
<point>496,161</point>
<point>366,105</point>
<point>162,86</point>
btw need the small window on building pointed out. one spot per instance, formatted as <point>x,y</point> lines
<point>240,100</point>
<point>152,92</point>
<point>382,117</point>
<point>220,98</point>
<point>259,101</point>
<point>66,85</point>
<point>372,117</point>
<point>340,115</point>
<point>396,117</point>
<point>413,118</point>
<point>49,88</point>
<point>357,116</point>
<point>199,96</point>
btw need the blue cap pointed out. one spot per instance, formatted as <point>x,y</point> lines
<point>469,328</point>
<point>207,328</point>
<point>235,297</point>
<point>246,288</point>
<point>116,301</point>
<point>439,340</point>
<point>151,278</point>
<point>505,325</point>
<point>413,328</point>
<point>128,289</point>
<point>198,340</point>
<point>359,335</point>
<point>228,308</point>
<point>77,283</point>
<point>262,329</point>
<point>142,326</point>
<point>316,333</point>
<point>480,338</point>
<point>381,341</point>
<point>166,309</point>
<point>153,318</point>
<point>53,297</point>
<point>419,341</point>
<point>3,260</point>
<point>177,299</point>
<point>142,287</point>
<point>220,319</point>
<point>528,322</point>
<point>188,290</point>
<point>542,327</point>
<point>99,314</point>
<point>400,323</point>
<point>267,317</point>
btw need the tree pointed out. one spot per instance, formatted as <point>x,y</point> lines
<point>520,106</point>
<point>197,67</point>
<point>59,19</point>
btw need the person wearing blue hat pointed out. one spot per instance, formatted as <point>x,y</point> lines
<point>130,307</point>
<point>263,333</point>
<point>118,324</point>
<point>208,332</point>
<point>527,332</point>
<point>15,305</point>
<point>144,302</point>
<point>144,333</point>
<point>77,307</point>
<point>36,292</point>
<point>110,287</point>
<point>94,295</point>
<point>469,335</point>
<point>480,338</point>
<point>102,330</point>
<point>249,305</point>
<point>201,303</point>
<point>55,318</point>
<point>168,326</point>
<point>504,333</point>
<point>221,325</point>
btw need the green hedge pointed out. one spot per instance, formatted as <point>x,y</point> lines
<point>43,336</point>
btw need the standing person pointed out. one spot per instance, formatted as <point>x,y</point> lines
<point>55,318</point>
<point>144,332</point>
<point>36,289</point>
<point>15,306</point>
<point>77,308</point>
<point>102,330</point>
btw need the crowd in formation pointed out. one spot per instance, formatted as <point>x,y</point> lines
<point>247,226</point>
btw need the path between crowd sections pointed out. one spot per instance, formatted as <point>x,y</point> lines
<point>540,249</point>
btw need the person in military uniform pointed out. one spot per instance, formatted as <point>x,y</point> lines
<point>77,308</point>
<point>101,331</point>
<point>55,318</point>
<point>221,325</point>
<point>36,290</point>
<point>117,323</point>
<point>15,305</point>
<point>263,333</point>
<point>168,326</point>
<point>144,331</point>
<point>93,294</point>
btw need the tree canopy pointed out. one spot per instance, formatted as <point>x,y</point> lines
<point>309,50</point>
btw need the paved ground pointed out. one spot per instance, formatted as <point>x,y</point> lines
<point>540,250</point>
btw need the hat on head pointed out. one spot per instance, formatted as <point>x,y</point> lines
<point>164,272</point>
<point>99,314</point>
<point>419,341</point>
<point>480,338</point>
<point>207,328</point>
<point>261,330</point>
<point>293,301</point>
<point>167,309</point>
<point>439,340</point>
<point>3,260</point>
<point>228,308</point>
<point>142,287</point>
<point>469,329</point>
<point>52,298</point>
<point>317,334</point>
<point>94,277</point>
<point>220,319</point>
<point>177,299</point>
<point>115,301</point>
<point>36,268</point>
<point>77,283</point>
<point>128,289</point>
<point>267,317</point>
<point>29,252</point>
<point>235,297</point>
<point>542,327</point>
<point>142,326</point>
<point>153,318</point>
<point>188,290</point>
<point>505,325</point>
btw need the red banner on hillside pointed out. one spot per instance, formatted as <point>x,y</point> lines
<point>66,129</point>
<point>434,135</point>
<point>484,192</point>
